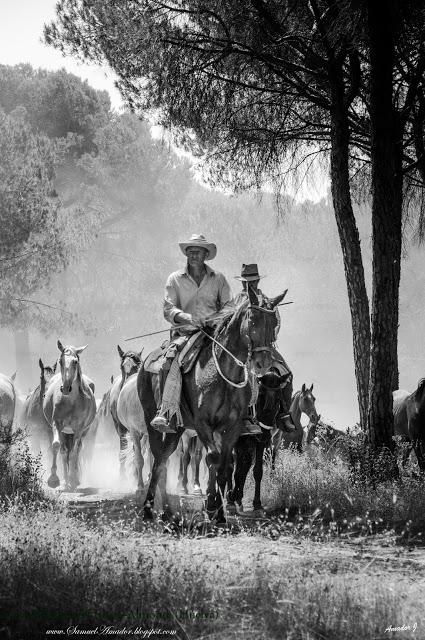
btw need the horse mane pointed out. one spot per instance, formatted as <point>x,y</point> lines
<point>296,396</point>
<point>230,318</point>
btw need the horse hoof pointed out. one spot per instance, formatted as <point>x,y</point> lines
<point>240,507</point>
<point>53,482</point>
<point>183,491</point>
<point>197,491</point>
<point>259,513</point>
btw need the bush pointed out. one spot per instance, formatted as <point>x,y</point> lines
<point>314,484</point>
<point>20,472</point>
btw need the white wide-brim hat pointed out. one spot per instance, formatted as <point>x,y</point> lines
<point>199,241</point>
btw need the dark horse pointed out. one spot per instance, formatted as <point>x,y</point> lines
<point>250,449</point>
<point>215,396</point>
<point>409,421</point>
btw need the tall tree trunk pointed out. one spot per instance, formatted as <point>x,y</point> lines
<point>387,198</point>
<point>350,244</point>
<point>24,376</point>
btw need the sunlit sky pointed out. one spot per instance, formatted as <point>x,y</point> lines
<point>21,30</point>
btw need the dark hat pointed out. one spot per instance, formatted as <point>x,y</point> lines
<point>249,272</point>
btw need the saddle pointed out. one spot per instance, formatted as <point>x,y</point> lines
<point>188,351</point>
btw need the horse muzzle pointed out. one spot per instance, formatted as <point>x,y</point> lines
<point>66,389</point>
<point>261,363</point>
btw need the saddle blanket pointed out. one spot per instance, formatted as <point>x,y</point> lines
<point>187,349</point>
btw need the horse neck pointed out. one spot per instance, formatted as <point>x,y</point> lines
<point>42,392</point>
<point>419,397</point>
<point>124,377</point>
<point>231,338</point>
<point>294,409</point>
<point>80,380</point>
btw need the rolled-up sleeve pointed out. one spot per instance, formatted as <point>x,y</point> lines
<point>171,300</point>
<point>225,295</point>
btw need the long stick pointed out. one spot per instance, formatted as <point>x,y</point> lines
<point>154,333</point>
<point>145,335</point>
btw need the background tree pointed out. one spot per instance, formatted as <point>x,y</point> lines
<point>257,86</point>
<point>49,120</point>
<point>31,239</point>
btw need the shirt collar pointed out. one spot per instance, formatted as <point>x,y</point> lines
<point>209,270</point>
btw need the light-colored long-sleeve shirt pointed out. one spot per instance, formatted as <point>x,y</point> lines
<point>182,294</point>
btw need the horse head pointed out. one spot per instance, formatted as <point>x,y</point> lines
<point>130,361</point>
<point>269,396</point>
<point>46,373</point>
<point>306,404</point>
<point>258,330</point>
<point>69,362</point>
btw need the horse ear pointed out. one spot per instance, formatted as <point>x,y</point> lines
<point>81,349</point>
<point>40,364</point>
<point>140,352</point>
<point>112,379</point>
<point>54,366</point>
<point>60,346</point>
<point>311,388</point>
<point>13,376</point>
<point>120,351</point>
<point>273,302</point>
<point>303,388</point>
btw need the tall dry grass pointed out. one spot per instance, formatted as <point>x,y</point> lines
<point>325,488</point>
<point>57,573</point>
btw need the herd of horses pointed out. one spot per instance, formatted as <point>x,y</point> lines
<point>61,413</point>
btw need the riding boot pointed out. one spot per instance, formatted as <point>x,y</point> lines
<point>286,423</point>
<point>160,422</point>
<point>284,419</point>
<point>251,426</point>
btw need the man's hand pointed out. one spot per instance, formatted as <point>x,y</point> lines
<point>183,318</point>
<point>199,323</point>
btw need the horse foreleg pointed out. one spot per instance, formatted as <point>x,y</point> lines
<point>170,443</point>
<point>244,450</point>
<point>275,446</point>
<point>53,480</point>
<point>123,436</point>
<point>199,448</point>
<point>139,462</point>
<point>212,502</point>
<point>258,475</point>
<point>65,462</point>
<point>184,465</point>
<point>224,466</point>
<point>73,462</point>
<point>155,442</point>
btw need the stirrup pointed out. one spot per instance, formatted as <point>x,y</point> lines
<point>250,427</point>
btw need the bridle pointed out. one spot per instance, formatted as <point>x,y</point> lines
<point>243,365</point>
<point>68,352</point>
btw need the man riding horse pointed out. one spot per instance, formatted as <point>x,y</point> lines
<point>195,297</point>
<point>250,278</point>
